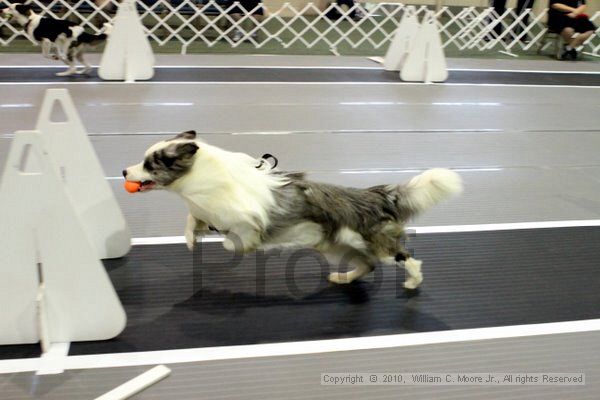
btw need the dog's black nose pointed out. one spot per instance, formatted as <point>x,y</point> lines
<point>124,173</point>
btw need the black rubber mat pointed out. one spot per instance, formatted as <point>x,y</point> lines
<point>175,299</point>
<point>167,74</point>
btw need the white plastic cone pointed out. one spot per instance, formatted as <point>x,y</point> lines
<point>401,43</point>
<point>85,181</point>
<point>43,241</point>
<point>426,61</point>
<point>128,55</point>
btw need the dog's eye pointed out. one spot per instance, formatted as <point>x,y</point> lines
<point>148,166</point>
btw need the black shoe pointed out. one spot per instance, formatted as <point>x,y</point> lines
<point>566,54</point>
<point>573,54</point>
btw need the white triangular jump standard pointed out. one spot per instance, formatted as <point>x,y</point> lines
<point>54,287</point>
<point>76,161</point>
<point>426,61</point>
<point>128,55</point>
<point>402,41</point>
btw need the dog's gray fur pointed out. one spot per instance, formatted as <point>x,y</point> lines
<point>375,213</point>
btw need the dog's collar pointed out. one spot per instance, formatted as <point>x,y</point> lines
<point>264,160</point>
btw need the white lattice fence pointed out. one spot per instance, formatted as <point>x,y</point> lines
<point>364,26</point>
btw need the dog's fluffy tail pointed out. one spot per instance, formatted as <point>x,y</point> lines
<point>426,190</point>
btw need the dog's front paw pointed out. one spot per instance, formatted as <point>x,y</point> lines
<point>413,282</point>
<point>338,278</point>
<point>190,240</point>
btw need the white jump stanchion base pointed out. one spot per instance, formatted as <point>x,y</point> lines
<point>397,53</point>
<point>426,61</point>
<point>128,55</point>
<point>53,284</point>
<point>137,384</point>
<point>93,199</point>
<point>53,360</point>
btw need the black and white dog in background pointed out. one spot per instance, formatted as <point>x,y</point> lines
<point>261,208</point>
<point>60,39</point>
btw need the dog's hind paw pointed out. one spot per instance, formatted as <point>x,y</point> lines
<point>413,283</point>
<point>65,73</point>
<point>84,71</point>
<point>338,278</point>
<point>229,245</point>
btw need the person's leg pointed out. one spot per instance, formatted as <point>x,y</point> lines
<point>349,4</point>
<point>522,6</point>
<point>580,39</point>
<point>237,32</point>
<point>576,42</point>
<point>567,34</point>
<point>500,8</point>
<point>105,5</point>
<point>257,17</point>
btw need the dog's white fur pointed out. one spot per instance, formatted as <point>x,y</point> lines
<point>228,189</point>
<point>247,188</point>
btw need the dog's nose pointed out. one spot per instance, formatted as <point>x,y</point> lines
<point>124,173</point>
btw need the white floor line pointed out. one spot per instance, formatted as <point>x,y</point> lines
<point>306,347</point>
<point>528,71</point>
<point>509,226</point>
<point>328,67</point>
<point>293,84</point>
<point>506,226</point>
<point>150,241</point>
<point>320,67</point>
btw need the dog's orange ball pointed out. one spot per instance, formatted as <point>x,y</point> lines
<point>132,187</point>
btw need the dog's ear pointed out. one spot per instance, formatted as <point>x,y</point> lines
<point>186,150</point>
<point>190,135</point>
<point>24,9</point>
<point>178,154</point>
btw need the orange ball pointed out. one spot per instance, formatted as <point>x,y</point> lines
<point>133,187</point>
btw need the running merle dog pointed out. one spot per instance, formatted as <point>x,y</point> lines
<point>60,39</point>
<point>258,207</point>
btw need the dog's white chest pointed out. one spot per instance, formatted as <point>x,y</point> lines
<point>204,215</point>
<point>30,30</point>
